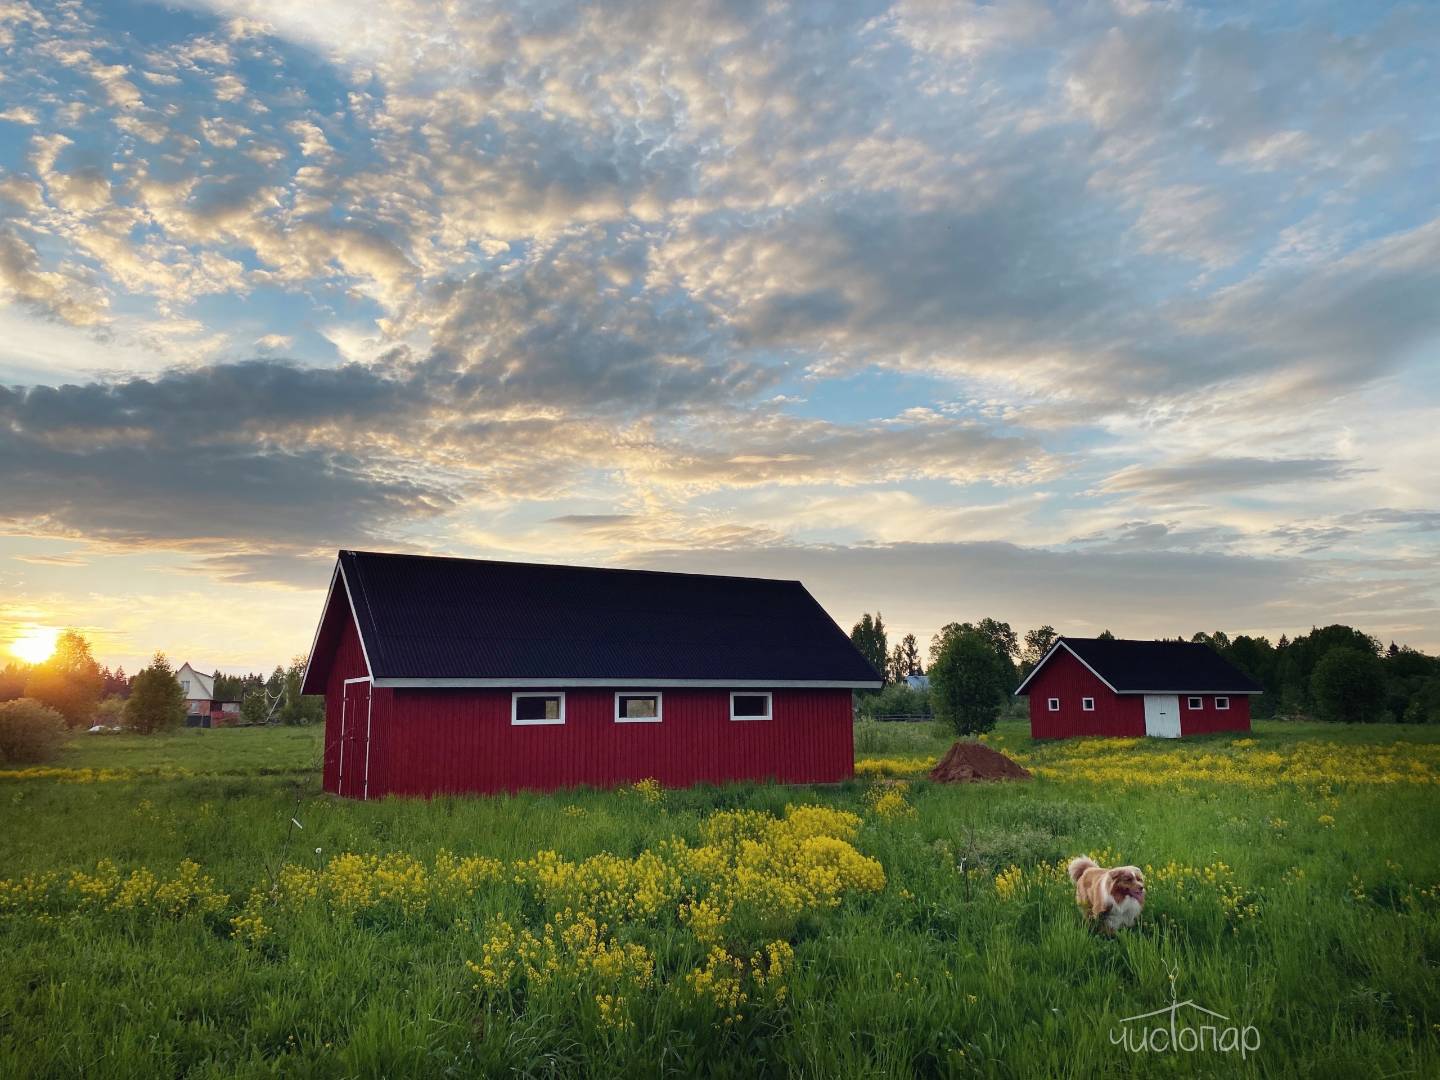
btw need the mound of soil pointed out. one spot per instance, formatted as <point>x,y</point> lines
<point>966,762</point>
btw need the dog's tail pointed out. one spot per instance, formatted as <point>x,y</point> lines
<point>1079,866</point>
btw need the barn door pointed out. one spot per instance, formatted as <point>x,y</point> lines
<point>354,738</point>
<point>1162,716</point>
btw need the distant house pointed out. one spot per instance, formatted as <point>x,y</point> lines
<point>463,675</point>
<point>1168,689</point>
<point>201,708</point>
<point>918,682</point>
<point>199,690</point>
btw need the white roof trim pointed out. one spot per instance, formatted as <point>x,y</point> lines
<point>1020,690</point>
<point>628,684</point>
<point>320,624</point>
<point>339,573</point>
<point>1196,693</point>
<point>359,633</point>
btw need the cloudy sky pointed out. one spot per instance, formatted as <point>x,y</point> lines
<point>1097,314</point>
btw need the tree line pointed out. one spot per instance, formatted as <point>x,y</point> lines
<point>71,690</point>
<point>1333,673</point>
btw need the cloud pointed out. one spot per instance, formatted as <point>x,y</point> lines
<point>1208,476</point>
<point>1108,281</point>
<point>143,460</point>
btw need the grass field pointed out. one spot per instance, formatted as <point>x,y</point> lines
<point>162,915</point>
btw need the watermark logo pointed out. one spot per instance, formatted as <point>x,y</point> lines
<point>1184,1027</point>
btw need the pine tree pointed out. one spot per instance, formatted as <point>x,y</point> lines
<point>868,636</point>
<point>156,700</point>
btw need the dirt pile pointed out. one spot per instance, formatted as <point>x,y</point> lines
<point>966,762</point>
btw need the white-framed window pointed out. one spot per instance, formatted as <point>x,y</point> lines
<point>1088,704</point>
<point>528,707</point>
<point>1054,704</point>
<point>185,685</point>
<point>1194,703</point>
<point>1222,703</point>
<point>638,708</point>
<point>750,705</point>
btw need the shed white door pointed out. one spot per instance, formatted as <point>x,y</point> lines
<point>1162,716</point>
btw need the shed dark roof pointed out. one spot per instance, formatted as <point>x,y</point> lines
<point>1157,667</point>
<point>472,619</point>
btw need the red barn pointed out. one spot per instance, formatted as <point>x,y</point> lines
<point>1104,686</point>
<point>464,675</point>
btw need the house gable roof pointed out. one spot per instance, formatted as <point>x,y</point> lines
<point>203,682</point>
<point>427,621</point>
<point>1153,667</point>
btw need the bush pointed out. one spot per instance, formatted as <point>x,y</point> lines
<point>30,731</point>
<point>110,712</point>
<point>897,699</point>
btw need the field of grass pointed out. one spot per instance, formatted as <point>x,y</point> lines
<point>161,913</point>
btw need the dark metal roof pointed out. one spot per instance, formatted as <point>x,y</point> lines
<point>1156,667</point>
<point>468,619</point>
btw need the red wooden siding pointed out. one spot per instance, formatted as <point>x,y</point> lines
<point>1069,680</point>
<point>429,741</point>
<point>348,663</point>
<point>432,741</point>
<point>1207,718</point>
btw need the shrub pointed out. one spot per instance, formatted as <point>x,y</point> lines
<point>897,699</point>
<point>110,712</point>
<point>30,731</point>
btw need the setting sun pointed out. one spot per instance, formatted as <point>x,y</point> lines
<point>35,646</point>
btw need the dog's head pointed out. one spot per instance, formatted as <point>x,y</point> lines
<point>1127,881</point>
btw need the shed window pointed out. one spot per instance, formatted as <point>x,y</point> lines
<point>747,706</point>
<point>637,708</point>
<point>1054,704</point>
<point>1222,703</point>
<point>537,708</point>
<point>1088,704</point>
<point>1195,703</point>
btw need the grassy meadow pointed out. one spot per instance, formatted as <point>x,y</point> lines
<point>192,905</point>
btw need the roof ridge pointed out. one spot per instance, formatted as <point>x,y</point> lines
<point>572,566</point>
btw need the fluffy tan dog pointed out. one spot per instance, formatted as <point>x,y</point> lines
<point>1112,898</point>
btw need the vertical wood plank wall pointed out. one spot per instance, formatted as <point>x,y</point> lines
<point>1115,714</point>
<point>432,741</point>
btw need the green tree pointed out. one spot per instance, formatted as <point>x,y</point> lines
<point>1424,706</point>
<point>1349,685</point>
<point>255,707</point>
<point>868,636</point>
<point>1001,638</point>
<point>905,660</point>
<point>295,707</point>
<point>13,677</point>
<point>70,681</point>
<point>156,701</point>
<point>1038,642</point>
<point>968,682</point>
<point>1105,635</point>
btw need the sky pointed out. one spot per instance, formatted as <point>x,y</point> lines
<point>1112,315</point>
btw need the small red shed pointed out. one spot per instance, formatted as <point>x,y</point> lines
<point>1110,686</point>
<point>466,675</point>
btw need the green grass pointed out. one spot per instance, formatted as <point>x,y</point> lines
<point>938,974</point>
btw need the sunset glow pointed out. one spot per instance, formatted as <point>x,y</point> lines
<point>35,646</point>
